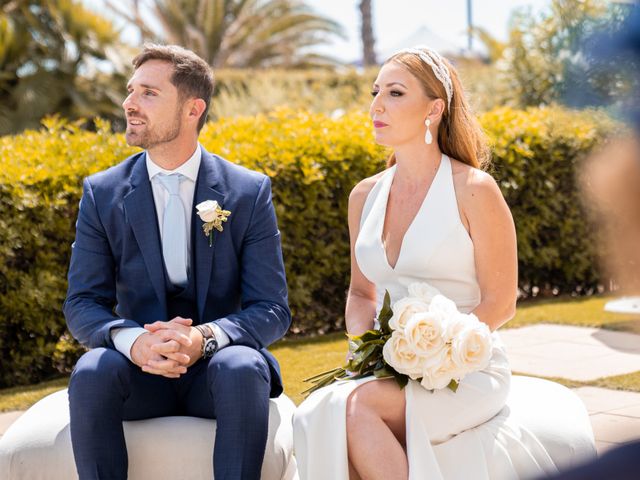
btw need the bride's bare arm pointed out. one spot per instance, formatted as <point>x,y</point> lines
<point>361,299</point>
<point>490,225</point>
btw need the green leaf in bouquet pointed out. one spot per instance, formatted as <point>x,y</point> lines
<point>353,365</point>
<point>324,379</point>
<point>380,364</point>
<point>367,356</point>
<point>357,339</point>
<point>366,345</point>
<point>385,313</point>
<point>453,385</point>
<point>370,361</point>
<point>370,336</point>
<point>401,379</point>
<point>384,372</point>
<point>329,373</point>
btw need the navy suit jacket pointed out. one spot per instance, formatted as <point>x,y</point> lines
<point>116,275</point>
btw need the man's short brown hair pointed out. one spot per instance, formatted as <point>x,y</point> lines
<point>192,76</point>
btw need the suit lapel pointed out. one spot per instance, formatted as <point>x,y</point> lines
<point>207,188</point>
<point>140,210</point>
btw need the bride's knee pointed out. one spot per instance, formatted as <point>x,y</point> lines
<point>359,406</point>
<point>376,405</point>
<point>382,399</point>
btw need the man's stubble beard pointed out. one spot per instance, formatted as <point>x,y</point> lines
<point>149,139</point>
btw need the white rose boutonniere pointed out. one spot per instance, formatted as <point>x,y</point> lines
<point>213,216</point>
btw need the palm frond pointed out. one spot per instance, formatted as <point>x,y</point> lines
<point>242,33</point>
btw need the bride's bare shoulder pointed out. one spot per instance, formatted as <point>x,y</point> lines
<point>361,190</point>
<point>471,182</point>
<point>358,197</point>
<point>478,195</point>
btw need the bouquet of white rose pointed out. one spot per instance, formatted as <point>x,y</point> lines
<point>424,337</point>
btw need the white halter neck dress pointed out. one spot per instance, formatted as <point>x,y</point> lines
<point>449,435</point>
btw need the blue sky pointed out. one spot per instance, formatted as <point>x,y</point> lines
<point>395,21</point>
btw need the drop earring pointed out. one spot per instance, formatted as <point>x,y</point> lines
<point>428,138</point>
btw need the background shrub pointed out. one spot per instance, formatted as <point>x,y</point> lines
<point>40,187</point>
<point>242,92</point>
<point>314,161</point>
<point>536,154</point>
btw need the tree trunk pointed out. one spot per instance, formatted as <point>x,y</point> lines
<point>368,53</point>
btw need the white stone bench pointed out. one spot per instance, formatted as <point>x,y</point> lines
<point>38,445</point>
<point>555,415</point>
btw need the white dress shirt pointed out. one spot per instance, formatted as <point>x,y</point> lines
<point>123,338</point>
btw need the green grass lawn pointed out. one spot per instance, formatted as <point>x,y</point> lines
<point>582,312</point>
<point>21,398</point>
<point>301,358</point>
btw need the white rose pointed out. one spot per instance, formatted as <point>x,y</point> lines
<point>398,354</point>
<point>422,290</point>
<point>440,374</point>
<point>443,306</point>
<point>425,333</point>
<point>207,210</point>
<point>471,347</point>
<point>404,309</point>
<point>456,324</point>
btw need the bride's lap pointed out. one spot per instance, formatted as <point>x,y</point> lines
<point>444,413</point>
<point>479,397</point>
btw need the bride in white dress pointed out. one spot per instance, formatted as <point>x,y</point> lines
<point>432,216</point>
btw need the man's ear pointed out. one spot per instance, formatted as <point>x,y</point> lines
<point>196,107</point>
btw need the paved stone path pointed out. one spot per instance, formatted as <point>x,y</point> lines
<point>584,354</point>
<point>576,353</point>
<point>7,419</point>
<point>615,415</point>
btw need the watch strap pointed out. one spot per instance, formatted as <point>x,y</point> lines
<point>208,336</point>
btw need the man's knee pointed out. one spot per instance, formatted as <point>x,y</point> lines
<point>238,364</point>
<point>99,368</point>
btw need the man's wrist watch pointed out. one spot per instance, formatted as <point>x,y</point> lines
<point>209,341</point>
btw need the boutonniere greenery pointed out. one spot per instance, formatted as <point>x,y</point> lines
<point>213,216</point>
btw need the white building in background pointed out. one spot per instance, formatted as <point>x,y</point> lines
<point>424,36</point>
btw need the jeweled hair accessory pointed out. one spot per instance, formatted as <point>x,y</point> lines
<point>436,62</point>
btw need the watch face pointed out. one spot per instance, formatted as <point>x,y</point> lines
<point>210,347</point>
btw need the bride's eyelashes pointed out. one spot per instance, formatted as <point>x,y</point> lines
<point>393,93</point>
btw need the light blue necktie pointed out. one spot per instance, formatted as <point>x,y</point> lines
<point>174,231</point>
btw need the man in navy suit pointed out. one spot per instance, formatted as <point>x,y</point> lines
<point>177,321</point>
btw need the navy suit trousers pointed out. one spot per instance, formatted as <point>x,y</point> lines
<point>232,387</point>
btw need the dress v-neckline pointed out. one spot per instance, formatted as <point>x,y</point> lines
<point>394,267</point>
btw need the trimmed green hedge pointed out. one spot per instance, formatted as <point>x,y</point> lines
<point>536,154</point>
<point>314,162</point>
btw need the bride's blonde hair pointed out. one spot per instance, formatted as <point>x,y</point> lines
<point>460,135</point>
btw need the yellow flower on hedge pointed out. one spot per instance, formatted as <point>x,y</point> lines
<point>212,215</point>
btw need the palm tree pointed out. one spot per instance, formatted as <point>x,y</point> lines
<point>469,25</point>
<point>237,33</point>
<point>368,41</point>
<point>44,47</point>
